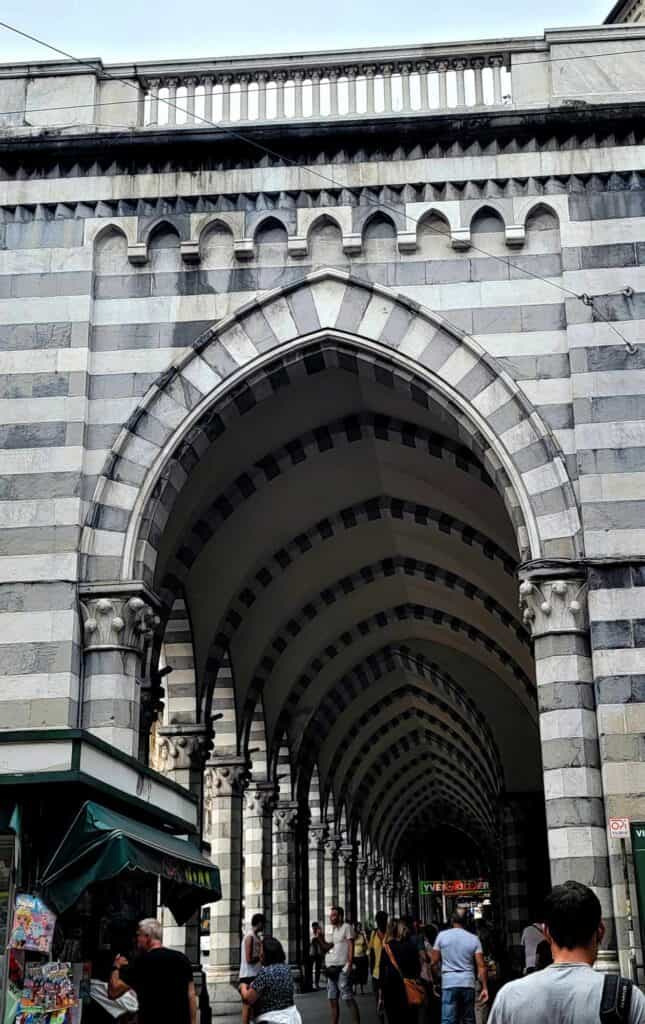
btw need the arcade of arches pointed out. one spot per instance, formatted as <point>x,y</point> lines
<point>329,525</point>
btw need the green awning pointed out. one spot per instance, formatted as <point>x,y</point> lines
<point>100,844</point>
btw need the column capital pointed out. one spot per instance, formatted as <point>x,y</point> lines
<point>286,816</point>
<point>332,844</point>
<point>224,777</point>
<point>183,746</point>
<point>554,605</point>
<point>346,852</point>
<point>260,799</point>
<point>118,619</point>
<point>361,866</point>
<point>316,836</point>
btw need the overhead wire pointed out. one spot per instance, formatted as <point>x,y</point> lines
<point>226,129</point>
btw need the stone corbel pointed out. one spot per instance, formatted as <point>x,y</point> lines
<point>244,248</point>
<point>460,238</point>
<point>190,251</point>
<point>407,241</point>
<point>138,254</point>
<point>515,235</point>
<point>297,247</point>
<point>554,606</point>
<point>117,622</point>
<point>352,245</point>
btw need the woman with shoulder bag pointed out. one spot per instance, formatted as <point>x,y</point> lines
<point>403,993</point>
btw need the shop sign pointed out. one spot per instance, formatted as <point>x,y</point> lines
<point>455,887</point>
<point>186,873</point>
<point>618,828</point>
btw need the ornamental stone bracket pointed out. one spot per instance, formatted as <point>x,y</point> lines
<point>181,747</point>
<point>118,620</point>
<point>346,852</point>
<point>554,606</point>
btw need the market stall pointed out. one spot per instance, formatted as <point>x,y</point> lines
<point>107,872</point>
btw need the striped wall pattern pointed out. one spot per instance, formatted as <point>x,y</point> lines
<point>347,305</point>
<point>180,686</point>
<point>515,869</point>
<point>617,618</point>
<point>285,877</point>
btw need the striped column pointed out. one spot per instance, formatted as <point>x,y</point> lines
<point>116,629</point>
<point>316,875</point>
<point>331,874</point>
<point>371,874</point>
<point>348,895</point>
<point>258,851</point>
<point>617,618</point>
<point>285,877</point>
<point>515,879</point>
<point>555,610</point>
<point>361,886</point>
<point>224,782</point>
<point>180,755</point>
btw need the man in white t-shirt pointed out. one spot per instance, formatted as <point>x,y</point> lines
<point>569,991</point>
<point>339,954</point>
<point>532,936</point>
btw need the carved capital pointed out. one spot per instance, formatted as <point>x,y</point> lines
<point>361,867</point>
<point>260,799</point>
<point>286,816</point>
<point>183,747</point>
<point>332,846</point>
<point>346,852</point>
<point>225,778</point>
<point>124,622</point>
<point>554,606</point>
<point>316,837</point>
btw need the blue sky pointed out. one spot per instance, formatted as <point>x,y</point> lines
<point>132,30</point>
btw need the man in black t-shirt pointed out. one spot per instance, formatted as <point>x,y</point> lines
<point>162,979</point>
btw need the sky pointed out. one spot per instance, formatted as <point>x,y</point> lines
<point>134,30</point>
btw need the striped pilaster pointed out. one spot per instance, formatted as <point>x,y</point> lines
<point>556,612</point>
<point>285,877</point>
<point>371,908</point>
<point>617,618</point>
<point>515,879</point>
<point>361,891</point>
<point>115,630</point>
<point>332,898</point>
<point>348,893</point>
<point>316,874</point>
<point>224,782</point>
<point>258,851</point>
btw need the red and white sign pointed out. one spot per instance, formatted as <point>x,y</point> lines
<point>619,828</point>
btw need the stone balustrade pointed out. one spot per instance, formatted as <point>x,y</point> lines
<point>590,65</point>
<point>334,89</point>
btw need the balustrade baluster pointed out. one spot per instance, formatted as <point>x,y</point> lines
<point>352,75</point>
<point>423,86</point>
<point>315,93</point>
<point>172,100</point>
<point>225,82</point>
<point>387,88</point>
<point>262,96</point>
<point>479,82</point>
<point>191,85</point>
<point>280,79</point>
<point>153,87</point>
<point>298,77</point>
<point>496,64</point>
<point>244,97</point>
<point>442,70</point>
<point>207,82</point>
<point>333,91</point>
<point>460,67</point>
<point>405,86</point>
<point>369,82</point>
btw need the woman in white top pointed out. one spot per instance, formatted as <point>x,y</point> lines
<point>250,954</point>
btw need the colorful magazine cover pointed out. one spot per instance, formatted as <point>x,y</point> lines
<point>48,987</point>
<point>33,924</point>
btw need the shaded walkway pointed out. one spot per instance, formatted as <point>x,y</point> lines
<point>314,1009</point>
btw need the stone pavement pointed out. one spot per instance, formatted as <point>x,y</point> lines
<point>314,1009</point>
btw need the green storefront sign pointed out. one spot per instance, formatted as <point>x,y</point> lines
<point>638,853</point>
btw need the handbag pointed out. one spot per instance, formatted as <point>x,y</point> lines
<point>414,990</point>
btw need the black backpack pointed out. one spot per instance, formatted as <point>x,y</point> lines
<point>616,1000</point>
